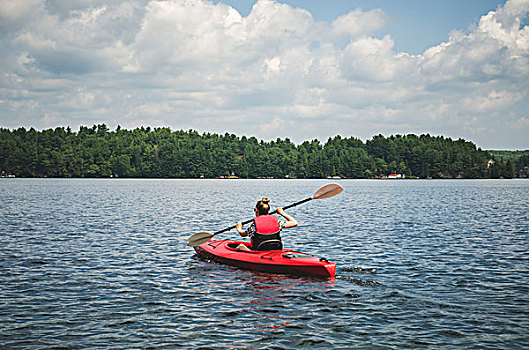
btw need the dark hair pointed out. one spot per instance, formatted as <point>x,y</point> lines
<point>262,206</point>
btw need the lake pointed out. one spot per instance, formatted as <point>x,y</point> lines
<point>103,263</point>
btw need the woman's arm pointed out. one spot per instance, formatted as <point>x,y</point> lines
<point>291,222</point>
<point>242,232</point>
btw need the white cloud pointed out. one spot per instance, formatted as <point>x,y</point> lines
<point>272,67</point>
<point>16,13</point>
<point>504,26</point>
<point>358,23</point>
<point>273,73</point>
<point>493,101</point>
<point>374,59</point>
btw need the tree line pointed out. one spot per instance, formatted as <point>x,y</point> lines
<point>520,159</point>
<point>143,152</point>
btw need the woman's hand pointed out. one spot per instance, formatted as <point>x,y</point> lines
<point>280,211</point>
<point>238,226</point>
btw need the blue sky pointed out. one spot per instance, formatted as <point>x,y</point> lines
<point>270,68</point>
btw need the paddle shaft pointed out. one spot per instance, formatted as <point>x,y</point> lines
<point>248,221</point>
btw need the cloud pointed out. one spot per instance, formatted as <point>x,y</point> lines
<point>493,101</point>
<point>504,26</point>
<point>273,73</point>
<point>358,23</point>
<point>374,59</point>
<point>14,14</point>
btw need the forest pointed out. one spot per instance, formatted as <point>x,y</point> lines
<point>143,152</point>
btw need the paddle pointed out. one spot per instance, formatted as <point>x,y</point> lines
<point>326,191</point>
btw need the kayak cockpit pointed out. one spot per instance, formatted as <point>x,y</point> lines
<point>234,247</point>
<point>236,244</point>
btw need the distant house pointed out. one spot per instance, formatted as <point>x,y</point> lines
<point>490,163</point>
<point>396,176</point>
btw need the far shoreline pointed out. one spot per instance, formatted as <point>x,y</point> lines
<point>260,179</point>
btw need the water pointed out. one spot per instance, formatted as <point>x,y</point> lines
<point>421,264</point>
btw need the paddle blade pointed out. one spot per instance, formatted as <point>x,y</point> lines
<point>327,191</point>
<point>199,238</point>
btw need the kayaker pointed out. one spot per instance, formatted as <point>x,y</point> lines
<point>264,231</point>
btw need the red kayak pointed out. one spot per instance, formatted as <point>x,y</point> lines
<point>285,261</point>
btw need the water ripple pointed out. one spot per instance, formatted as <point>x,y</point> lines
<point>421,264</point>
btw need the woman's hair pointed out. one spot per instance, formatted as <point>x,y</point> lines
<point>262,206</point>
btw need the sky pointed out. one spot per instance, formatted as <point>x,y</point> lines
<point>293,69</point>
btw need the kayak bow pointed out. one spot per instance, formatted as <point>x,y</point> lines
<point>285,261</point>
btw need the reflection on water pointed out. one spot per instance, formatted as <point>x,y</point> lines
<point>421,264</point>
<point>269,293</point>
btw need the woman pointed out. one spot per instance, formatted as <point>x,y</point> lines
<point>264,231</point>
